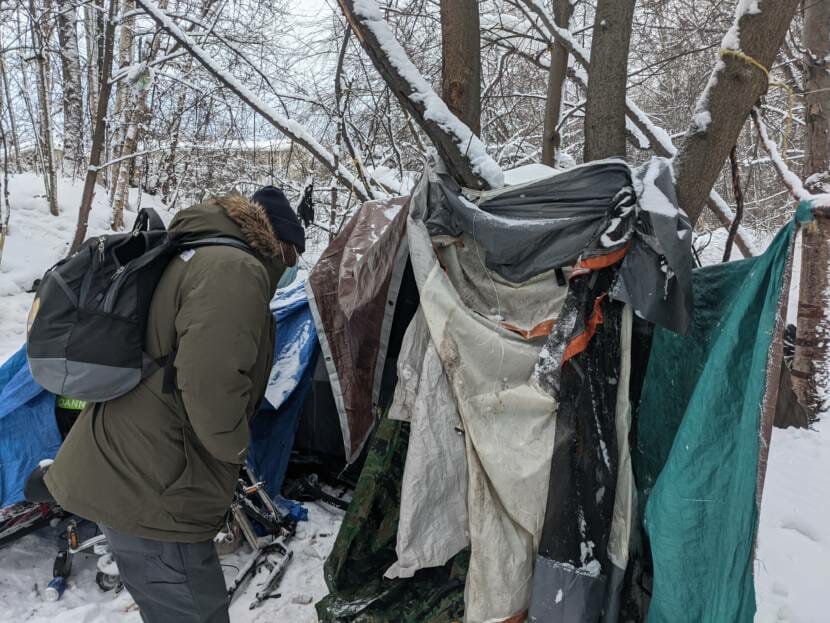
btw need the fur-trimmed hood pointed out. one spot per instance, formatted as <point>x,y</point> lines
<point>236,216</point>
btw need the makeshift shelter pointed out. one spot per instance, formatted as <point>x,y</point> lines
<point>497,343</point>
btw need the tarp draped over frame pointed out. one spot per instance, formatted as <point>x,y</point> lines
<point>591,213</point>
<point>433,524</point>
<point>274,428</point>
<point>28,430</point>
<point>353,290</point>
<point>703,437</point>
<point>508,424</point>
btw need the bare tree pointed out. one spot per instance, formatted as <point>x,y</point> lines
<point>811,336</point>
<point>557,74</point>
<point>12,121</point>
<point>73,110</point>
<point>461,60</point>
<point>47,147</point>
<point>605,134</point>
<point>459,147</point>
<point>99,128</point>
<point>290,128</point>
<point>737,81</point>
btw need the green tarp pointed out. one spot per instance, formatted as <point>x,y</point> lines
<point>700,439</point>
<point>365,548</point>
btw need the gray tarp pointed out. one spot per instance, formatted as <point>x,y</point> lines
<point>580,213</point>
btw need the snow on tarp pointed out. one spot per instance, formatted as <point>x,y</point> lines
<point>296,341</point>
<point>28,430</point>
<point>273,429</point>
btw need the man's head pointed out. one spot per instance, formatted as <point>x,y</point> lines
<point>283,219</point>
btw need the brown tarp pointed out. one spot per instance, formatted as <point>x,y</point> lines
<point>352,291</point>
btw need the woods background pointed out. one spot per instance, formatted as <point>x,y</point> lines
<point>179,100</point>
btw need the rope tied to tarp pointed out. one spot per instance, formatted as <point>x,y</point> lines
<point>788,128</point>
<point>805,215</point>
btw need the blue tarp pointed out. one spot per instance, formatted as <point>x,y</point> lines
<point>29,432</point>
<point>274,427</point>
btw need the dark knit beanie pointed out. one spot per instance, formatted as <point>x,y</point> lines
<point>282,216</point>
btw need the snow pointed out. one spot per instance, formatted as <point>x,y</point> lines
<point>701,121</point>
<point>528,173</point>
<point>791,569</point>
<point>422,93</point>
<point>651,198</point>
<point>27,568</point>
<point>732,38</point>
<point>36,241</point>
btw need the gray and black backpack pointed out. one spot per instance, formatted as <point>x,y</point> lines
<point>87,323</point>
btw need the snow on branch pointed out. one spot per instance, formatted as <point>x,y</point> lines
<point>462,151</point>
<point>790,179</point>
<point>289,127</point>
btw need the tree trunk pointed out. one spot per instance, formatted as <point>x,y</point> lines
<point>121,185</point>
<point>73,111</point>
<point>459,147</point>
<point>605,134</point>
<point>551,139</point>
<point>123,96</point>
<point>5,214</point>
<point>44,110</point>
<point>813,324</point>
<point>733,89</point>
<point>10,108</point>
<point>461,61</point>
<point>99,130</point>
<point>90,23</point>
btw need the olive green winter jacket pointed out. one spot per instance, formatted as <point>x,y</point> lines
<point>164,465</point>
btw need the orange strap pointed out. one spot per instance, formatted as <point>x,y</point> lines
<point>543,329</point>
<point>602,261</point>
<point>580,342</point>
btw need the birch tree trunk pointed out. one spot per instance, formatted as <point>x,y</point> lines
<point>461,61</point>
<point>123,96</point>
<point>813,324</point>
<point>44,110</point>
<point>551,139</point>
<point>605,134</point>
<point>12,121</point>
<point>99,129</point>
<point>73,111</point>
<point>90,23</point>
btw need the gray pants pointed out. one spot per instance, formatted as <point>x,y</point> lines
<point>171,582</point>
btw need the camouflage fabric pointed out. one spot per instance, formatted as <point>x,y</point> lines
<point>365,548</point>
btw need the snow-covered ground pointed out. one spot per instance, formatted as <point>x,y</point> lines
<point>26,568</point>
<point>36,241</point>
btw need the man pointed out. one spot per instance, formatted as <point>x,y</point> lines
<point>157,470</point>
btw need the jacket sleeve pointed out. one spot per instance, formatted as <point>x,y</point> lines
<point>219,327</point>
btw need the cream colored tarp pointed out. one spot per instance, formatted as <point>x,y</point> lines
<point>433,521</point>
<point>508,424</point>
